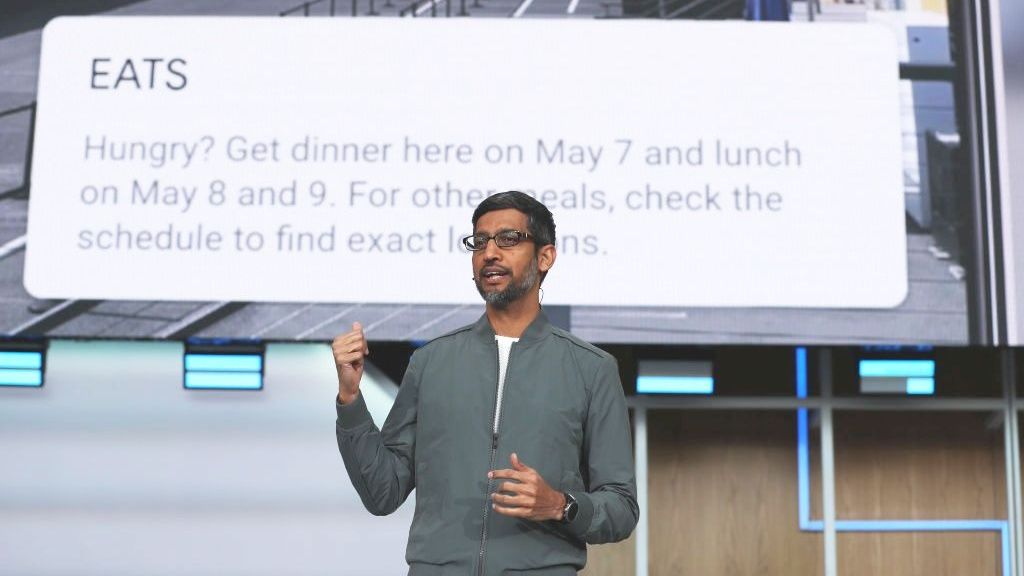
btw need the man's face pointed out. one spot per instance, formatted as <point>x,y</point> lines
<point>504,275</point>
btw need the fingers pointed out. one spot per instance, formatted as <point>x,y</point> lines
<point>519,501</point>
<point>357,327</point>
<point>520,506</point>
<point>510,494</point>
<point>350,348</point>
<point>517,464</point>
<point>519,471</point>
<point>516,489</point>
<point>354,361</point>
<point>353,338</point>
<point>348,343</point>
<point>518,495</point>
<point>347,355</point>
<point>523,494</point>
<point>515,512</point>
<point>506,473</point>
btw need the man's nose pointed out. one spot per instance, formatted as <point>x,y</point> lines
<point>491,250</point>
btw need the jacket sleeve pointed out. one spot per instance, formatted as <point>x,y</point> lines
<point>608,510</point>
<point>380,463</point>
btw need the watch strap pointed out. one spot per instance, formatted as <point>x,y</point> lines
<point>570,510</point>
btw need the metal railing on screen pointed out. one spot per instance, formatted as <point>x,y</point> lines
<point>674,9</point>
<point>304,8</point>
<point>329,7</point>
<point>29,109</point>
<point>418,7</point>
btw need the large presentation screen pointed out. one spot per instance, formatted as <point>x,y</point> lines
<point>280,178</point>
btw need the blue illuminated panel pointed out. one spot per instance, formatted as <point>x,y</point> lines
<point>914,377</point>
<point>224,380</point>
<point>675,385</point>
<point>21,369</point>
<point>223,371</point>
<point>904,368</point>
<point>920,385</point>
<point>674,377</point>
<point>21,360</point>
<point>223,362</point>
<point>9,377</point>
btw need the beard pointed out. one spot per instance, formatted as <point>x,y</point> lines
<point>515,289</point>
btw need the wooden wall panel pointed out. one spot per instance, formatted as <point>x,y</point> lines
<point>919,465</point>
<point>918,554</point>
<point>723,495</point>
<point>618,559</point>
<point>723,492</point>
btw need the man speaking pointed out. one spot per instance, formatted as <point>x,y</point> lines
<point>514,433</point>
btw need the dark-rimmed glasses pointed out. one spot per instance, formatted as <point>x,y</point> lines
<point>502,239</point>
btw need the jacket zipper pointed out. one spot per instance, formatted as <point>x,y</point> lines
<point>496,421</point>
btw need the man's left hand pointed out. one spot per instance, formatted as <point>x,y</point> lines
<point>527,495</point>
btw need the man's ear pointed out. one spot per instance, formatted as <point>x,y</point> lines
<point>546,257</point>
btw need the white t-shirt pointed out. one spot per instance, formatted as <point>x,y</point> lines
<point>504,350</point>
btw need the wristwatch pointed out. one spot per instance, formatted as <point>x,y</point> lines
<point>570,510</point>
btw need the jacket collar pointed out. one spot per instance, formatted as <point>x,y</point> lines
<point>536,331</point>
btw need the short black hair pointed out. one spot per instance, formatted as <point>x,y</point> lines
<point>540,224</point>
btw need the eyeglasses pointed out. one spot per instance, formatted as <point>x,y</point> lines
<point>502,239</point>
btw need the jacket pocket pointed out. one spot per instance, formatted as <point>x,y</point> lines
<point>428,517</point>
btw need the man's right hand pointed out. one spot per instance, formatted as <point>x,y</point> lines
<point>349,351</point>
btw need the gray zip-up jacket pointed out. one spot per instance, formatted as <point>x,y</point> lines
<point>561,409</point>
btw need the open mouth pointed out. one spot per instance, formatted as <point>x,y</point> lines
<point>493,275</point>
